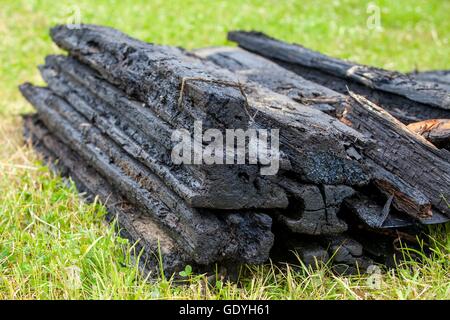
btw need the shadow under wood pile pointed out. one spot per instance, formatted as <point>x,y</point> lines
<point>350,175</point>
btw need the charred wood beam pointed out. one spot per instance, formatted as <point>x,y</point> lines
<point>405,165</point>
<point>154,75</point>
<point>368,211</point>
<point>251,67</point>
<point>406,197</point>
<point>221,187</point>
<point>408,156</point>
<point>376,215</point>
<point>405,98</point>
<point>135,226</point>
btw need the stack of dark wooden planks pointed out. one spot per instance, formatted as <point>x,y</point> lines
<point>349,170</point>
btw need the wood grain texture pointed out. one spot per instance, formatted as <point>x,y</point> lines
<point>437,131</point>
<point>404,97</point>
<point>207,237</point>
<point>395,160</point>
<point>314,142</point>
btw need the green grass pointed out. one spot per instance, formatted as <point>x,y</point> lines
<point>55,246</point>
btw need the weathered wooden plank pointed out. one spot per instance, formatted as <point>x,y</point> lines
<point>310,252</point>
<point>442,77</point>
<point>385,131</point>
<point>405,98</point>
<point>437,131</point>
<point>135,225</point>
<point>200,185</point>
<point>406,197</point>
<point>206,237</point>
<point>315,143</point>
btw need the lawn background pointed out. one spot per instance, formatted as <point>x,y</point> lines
<point>53,245</point>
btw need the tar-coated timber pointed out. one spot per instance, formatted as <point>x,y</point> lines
<point>314,142</point>
<point>407,99</point>
<point>437,131</point>
<point>398,153</point>
<point>218,187</point>
<point>205,236</point>
<point>134,225</point>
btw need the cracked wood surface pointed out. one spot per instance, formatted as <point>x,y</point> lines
<point>437,131</point>
<point>147,138</point>
<point>397,153</point>
<point>404,97</point>
<point>207,237</point>
<point>315,143</point>
<point>313,209</point>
